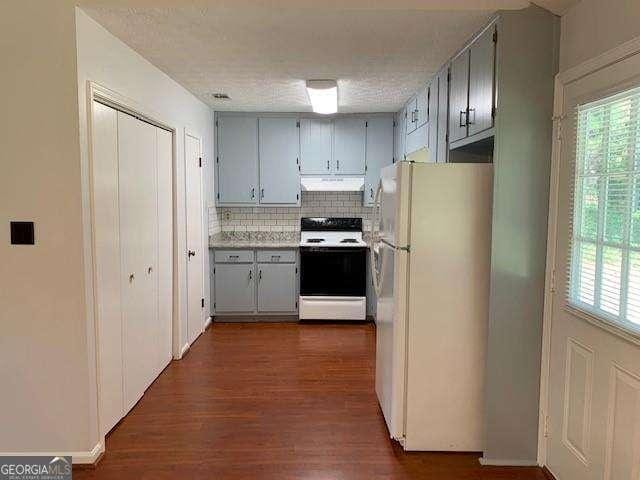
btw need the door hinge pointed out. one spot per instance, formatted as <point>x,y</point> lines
<point>200,162</point>
<point>218,196</point>
<point>216,123</point>
<point>296,304</point>
<point>546,427</point>
<point>214,272</point>
<point>214,305</point>
<point>446,137</point>
<point>297,196</point>
<point>217,159</point>
<point>366,124</point>
<point>493,112</point>
<point>495,36</point>
<point>298,124</point>
<point>296,269</point>
<point>366,167</point>
<point>394,124</point>
<point>202,302</point>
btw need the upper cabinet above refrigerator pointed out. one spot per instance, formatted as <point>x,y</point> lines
<point>472,90</point>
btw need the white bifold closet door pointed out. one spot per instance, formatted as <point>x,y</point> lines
<point>133,232</point>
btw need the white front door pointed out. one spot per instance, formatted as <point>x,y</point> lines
<point>195,250</point>
<point>594,379</point>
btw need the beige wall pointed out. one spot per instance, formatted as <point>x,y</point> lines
<point>47,358</point>
<point>44,403</point>
<point>594,26</point>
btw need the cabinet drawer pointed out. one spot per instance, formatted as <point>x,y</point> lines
<point>276,256</point>
<point>234,256</point>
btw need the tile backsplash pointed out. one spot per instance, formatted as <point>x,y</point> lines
<point>287,219</point>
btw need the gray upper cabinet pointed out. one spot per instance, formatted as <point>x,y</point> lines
<point>349,145</point>
<point>432,111</point>
<point>443,116</point>
<point>458,97</point>
<point>237,159</point>
<point>481,81</point>
<point>316,143</point>
<point>411,116</point>
<point>235,287</point>
<point>399,136</point>
<point>422,106</point>
<point>471,88</point>
<point>379,153</point>
<point>279,159</point>
<point>276,287</point>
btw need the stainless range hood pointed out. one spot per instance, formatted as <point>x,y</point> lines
<point>332,184</point>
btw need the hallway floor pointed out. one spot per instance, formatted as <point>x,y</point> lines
<point>273,401</point>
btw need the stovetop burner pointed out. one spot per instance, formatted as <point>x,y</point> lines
<point>315,240</point>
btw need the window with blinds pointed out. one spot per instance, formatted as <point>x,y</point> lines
<point>605,248</point>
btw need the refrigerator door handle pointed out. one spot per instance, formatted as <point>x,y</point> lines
<point>376,273</point>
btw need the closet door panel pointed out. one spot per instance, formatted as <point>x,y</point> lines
<point>133,169</point>
<point>165,247</point>
<point>107,263</point>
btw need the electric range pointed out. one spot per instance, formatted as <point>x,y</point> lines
<point>333,270</point>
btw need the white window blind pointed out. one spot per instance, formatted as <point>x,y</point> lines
<point>605,247</point>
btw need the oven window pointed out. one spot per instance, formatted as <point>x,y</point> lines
<point>333,272</point>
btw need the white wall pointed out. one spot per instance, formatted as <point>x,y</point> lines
<point>47,357</point>
<point>594,26</point>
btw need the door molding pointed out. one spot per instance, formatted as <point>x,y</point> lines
<point>102,94</point>
<point>562,81</point>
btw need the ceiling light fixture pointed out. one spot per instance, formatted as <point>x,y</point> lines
<point>323,95</point>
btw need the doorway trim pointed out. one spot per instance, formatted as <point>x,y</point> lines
<point>562,81</point>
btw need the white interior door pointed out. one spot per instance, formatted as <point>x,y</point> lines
<point>106,234</point>
<point>195,250</point>
<point>594,383</point>
<point>165,247</point>
<point>138,237</point>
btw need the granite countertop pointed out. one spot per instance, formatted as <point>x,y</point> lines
<point>255,240</point>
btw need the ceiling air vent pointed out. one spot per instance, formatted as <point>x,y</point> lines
<point>220,96</point>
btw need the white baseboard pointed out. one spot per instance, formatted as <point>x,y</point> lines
<point>500,462</point>
<point>184,350</point>
<point>208,322</point>
<point>87,457</point>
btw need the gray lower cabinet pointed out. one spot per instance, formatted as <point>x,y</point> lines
<point>235,287</point>
<point>276,287</point>
<point>261,281</point>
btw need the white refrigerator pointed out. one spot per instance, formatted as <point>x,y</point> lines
<point>431,237</point>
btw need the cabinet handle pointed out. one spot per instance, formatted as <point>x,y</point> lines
<point>337,164</point>
<point>415,118</point>
<point>275,257</point>
<point>261,193</point>
<point>372,193</point>
<point>253,193</point>
<point>463,112</point>
<point>131,277</point>
<point>250,275</point>
<point>469,121</point>
<point>234,257</point>
<point>260,275</point>
<point>328,167</point>
<point>149,270</point>
<point>191,253</point>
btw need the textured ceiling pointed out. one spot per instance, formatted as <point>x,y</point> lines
<point>261,53</point>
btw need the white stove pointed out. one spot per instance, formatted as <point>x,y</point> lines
<point>332,269</point>
<point>331,239</point>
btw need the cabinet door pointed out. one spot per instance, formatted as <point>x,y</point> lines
<point>349,146</point>
<point>399,136</point>
<point>276,287</point>
<point>379,153</point>
<point>237,159</point>
<point>316,142</point>
<point>422,105</point>
<point>411,115</point>
<point>481,80</point>
<point>279,173</point>
<point>235,287</point>
<point>432,111</point>
<point>443,116</point>
<point>458,90</point>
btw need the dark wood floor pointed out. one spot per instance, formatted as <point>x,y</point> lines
<point>273,401</point>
